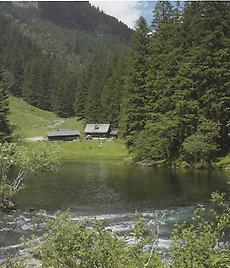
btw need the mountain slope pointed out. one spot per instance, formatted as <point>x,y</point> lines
<point>84,16</point>
<point>90,32</point>
<point>45,55</point>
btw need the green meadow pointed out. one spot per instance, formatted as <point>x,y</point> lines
<point>28,121</point>
<point>95,149</point>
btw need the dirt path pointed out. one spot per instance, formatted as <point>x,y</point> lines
<point>56,123</point>
<point>36,138</point>
<point>44,138</point>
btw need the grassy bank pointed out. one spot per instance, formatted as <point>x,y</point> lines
<point>109,150</point>
<point>93,150</point>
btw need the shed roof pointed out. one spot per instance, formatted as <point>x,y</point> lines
<point>63,133</point>
<point>97,128</point>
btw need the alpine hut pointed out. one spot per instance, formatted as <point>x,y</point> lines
<point>64,134</point>
<point>97,130</point>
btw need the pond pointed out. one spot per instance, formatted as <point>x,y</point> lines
<point>114,192</point>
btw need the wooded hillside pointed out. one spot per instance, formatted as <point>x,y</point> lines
<point>46,54</point>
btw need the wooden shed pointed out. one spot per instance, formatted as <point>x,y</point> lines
<point>97,130</point>
<point>64,134</point>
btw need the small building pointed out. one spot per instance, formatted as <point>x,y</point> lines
<point>64,134</point>
<point>97,130</point>
<point>113,133</point>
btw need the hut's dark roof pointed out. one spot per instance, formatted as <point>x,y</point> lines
<point>64,133</point>
<point>97,128</point>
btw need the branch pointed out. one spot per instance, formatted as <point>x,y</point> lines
<point>150,257</point>
<point>18,179</point>
<point>152,248</point>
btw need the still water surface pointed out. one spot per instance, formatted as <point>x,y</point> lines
<point>107,190</point>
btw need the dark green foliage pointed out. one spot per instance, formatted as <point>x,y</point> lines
<point>4,109</point>
<point>202,146</point>
<point>158,141</point>
<point>135,100</point>
<point>15,50</point>
<point>203,243</point>
<point>186,82</point>
<point>64,93</point>
<point>37,88</point>
<point>50,64</point>
<point>83,15</point>
<point>100,90</point>
<point>162,13</point>
<point>209,60</point>
<point>82,92</point>
<point>71,244</point>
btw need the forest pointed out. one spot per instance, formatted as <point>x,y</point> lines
<point>177,98</point>
<point>166,88</point>
<point>46,58</point>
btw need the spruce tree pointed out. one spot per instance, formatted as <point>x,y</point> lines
<point>162,121</point>
<point>206,34</point>
<point>163,13</point>
<point>134,105</point>
<point>81,92</point>
<point>4,109</point>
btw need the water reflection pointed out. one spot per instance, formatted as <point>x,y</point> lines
<point>100,185</point>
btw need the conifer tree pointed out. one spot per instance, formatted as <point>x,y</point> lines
<point>37,82</point>
<point>206,26</point>
<point>134,105</point>
<point>81,93</point>
<point>163,13</point>
<point>4,109</point>
<point>93,108</point>
<point>64,94</point>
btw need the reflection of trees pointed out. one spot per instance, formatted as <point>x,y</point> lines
<point>101,184</point>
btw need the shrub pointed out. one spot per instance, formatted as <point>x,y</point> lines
<point>205,242</point>
<point>70,244</point>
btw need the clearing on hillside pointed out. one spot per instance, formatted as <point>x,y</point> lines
<point>28,121</point>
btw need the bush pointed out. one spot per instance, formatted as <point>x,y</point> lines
<point>69,244</point>
<point>26,160</point>
<point>204,243</point>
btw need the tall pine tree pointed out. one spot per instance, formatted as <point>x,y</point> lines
<point>134,105</point>
<point>206,31</point>
<point>4,109</point>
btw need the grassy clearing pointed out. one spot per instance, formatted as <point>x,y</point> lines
<point>96,149</point>
<point>109,150</point>
<point>72,123</point>
<point>29,121</point>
